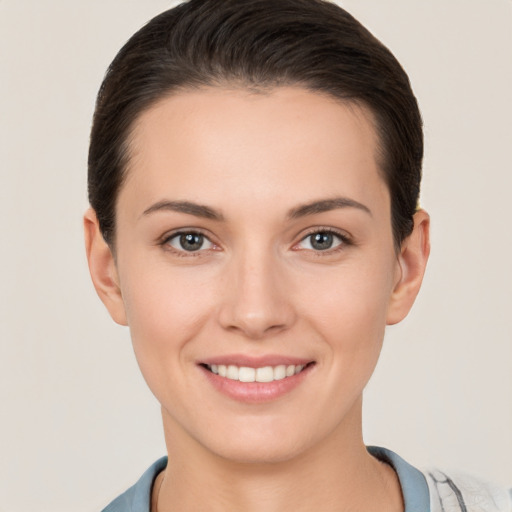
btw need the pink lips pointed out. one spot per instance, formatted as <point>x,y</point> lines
<point>255,392</point>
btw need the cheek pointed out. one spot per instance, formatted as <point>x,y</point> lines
<point>165,310</point>
<point>349,308</point>
<point>351,294</point>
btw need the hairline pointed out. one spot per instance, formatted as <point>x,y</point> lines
<point>357,105</point>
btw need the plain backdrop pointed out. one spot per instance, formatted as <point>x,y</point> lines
<point>78,425</point>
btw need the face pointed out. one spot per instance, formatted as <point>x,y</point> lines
<point>255,267</point>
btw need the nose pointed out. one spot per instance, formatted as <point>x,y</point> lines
<point>257,297</point>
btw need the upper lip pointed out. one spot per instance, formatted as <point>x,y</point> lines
<point>255,361</point>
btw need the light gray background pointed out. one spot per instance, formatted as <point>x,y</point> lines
<point>77,422</point>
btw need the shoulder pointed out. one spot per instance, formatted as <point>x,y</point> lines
<point>138,497</point>
<point>435,490</point>
<point>459,492</point>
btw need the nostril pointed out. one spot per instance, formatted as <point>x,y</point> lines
<point>257,330</point>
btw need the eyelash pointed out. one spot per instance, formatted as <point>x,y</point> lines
<point>165,243</point>
<point>344,241</point>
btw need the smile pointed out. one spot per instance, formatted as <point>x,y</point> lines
<point>262,374</point>
<point>256,380</point>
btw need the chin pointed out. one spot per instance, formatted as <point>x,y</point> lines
<point>268,453</point>
<point>260,445</point>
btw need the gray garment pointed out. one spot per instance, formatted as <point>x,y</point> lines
<point>419,490</point>
<point>457,492</point>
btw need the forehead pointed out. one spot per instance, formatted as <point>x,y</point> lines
<point>201,142</point>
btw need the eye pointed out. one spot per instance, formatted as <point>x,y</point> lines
<point>189,241</point>
<point>322,240</point>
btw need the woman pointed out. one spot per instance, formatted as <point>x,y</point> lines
<point>254,174</point>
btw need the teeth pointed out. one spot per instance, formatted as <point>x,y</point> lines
<point>264,374</point>
<point>232,372</point>
<point>246,374</point>
<point>280,372</point>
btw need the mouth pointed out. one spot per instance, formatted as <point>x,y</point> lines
<point>249,381</point>
<point>263,374</point>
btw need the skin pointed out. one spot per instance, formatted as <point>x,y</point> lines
<point>258,287</point>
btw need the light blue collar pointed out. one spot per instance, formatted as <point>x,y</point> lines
<point>414,485</point>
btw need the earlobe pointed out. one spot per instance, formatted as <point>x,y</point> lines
<point>102,268</point>
<point>412,260</point>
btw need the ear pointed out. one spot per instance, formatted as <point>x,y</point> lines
<point>102,267</point>
<point>412,261</point>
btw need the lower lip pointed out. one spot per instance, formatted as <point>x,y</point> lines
<point>256,392</point>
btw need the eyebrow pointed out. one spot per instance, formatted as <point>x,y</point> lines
<point>195,209</point>
<point>326,205</point>
<point>206,212</point>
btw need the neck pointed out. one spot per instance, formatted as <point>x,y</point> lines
<point>337,474</point>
